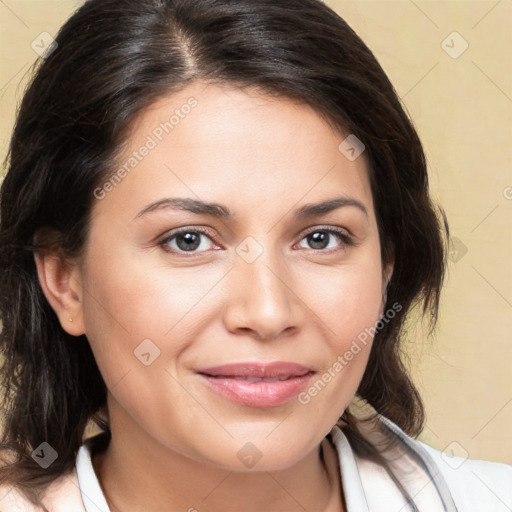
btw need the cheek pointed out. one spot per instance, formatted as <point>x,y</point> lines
<point>137,323</point>
<point>348,303</point>
<point>128,302</point>
<point>347,299</point>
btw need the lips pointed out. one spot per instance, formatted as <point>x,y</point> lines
<point>256,371</point>
<point>257,385</point>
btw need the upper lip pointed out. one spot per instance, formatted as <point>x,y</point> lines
<point>253,369</point>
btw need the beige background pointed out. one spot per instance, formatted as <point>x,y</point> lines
<point>461,104</point>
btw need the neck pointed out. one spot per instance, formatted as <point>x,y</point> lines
<point>138,473</point>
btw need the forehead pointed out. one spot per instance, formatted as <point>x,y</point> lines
<point>241,147</point>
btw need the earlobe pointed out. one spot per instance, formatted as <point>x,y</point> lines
<point>61,286</point>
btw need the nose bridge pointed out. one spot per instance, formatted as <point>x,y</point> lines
<point>263,297</point>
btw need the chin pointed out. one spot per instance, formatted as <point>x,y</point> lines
<point>251,457</point>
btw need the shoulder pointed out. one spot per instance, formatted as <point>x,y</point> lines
<point>474,484</point>
<point>62,495</point>
<point>436,478</point>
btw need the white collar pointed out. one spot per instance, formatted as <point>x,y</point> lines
<point>90,489</point>
<point>364,483</point>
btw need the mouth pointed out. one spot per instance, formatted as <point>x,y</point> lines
<point>255,384</point>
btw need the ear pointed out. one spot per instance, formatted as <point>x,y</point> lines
<point>61,284</point>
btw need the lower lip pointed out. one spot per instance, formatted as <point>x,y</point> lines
<point>258,394</point>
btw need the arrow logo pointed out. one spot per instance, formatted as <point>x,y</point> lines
<point>351,147</point>
<point>44,455</point>
<point>249,455</point>
<point>44,44</point>
<point>454,45</point>
<point>249,249</point>
<point>147,352</point>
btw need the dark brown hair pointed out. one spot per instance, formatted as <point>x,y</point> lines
<point>113,59</point>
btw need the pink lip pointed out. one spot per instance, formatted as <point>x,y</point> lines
<point>250,369</point>
<point>230,381</point>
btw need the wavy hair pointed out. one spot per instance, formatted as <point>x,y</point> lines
<point>113,59</point>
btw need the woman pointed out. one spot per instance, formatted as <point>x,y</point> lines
<point>215,221</point>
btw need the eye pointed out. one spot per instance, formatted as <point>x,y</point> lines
<point>186,240</point>
<point>320,238</point>
<point>193,241</point>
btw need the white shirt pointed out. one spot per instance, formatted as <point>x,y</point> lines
<point>436,481</point>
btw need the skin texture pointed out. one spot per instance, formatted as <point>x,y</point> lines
<point>173,439</point>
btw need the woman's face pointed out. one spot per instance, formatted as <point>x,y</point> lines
<point>249,282</point>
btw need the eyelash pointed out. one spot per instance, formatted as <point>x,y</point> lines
<point>347,240</point>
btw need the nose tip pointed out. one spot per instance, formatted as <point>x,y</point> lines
<point>262,302</point>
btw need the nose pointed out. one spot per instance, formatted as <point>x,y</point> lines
<point>262,302</point>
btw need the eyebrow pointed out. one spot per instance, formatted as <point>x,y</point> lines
<point>222,212</point>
